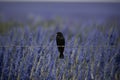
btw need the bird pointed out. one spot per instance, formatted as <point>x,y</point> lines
<point>60,41</point>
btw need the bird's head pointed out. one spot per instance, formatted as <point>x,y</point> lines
<point>59,34</point>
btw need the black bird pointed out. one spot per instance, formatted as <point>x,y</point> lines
<point>60,40</point>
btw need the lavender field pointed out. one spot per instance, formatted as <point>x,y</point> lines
<point>28,50</point>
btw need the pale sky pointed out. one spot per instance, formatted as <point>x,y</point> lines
<point>67,0</point>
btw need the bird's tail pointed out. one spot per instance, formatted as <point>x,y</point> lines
<point>61,56</point>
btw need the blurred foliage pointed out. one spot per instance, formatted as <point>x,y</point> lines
<point>6,26</point>
<point>30,52</point>
<point>59,22</point>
